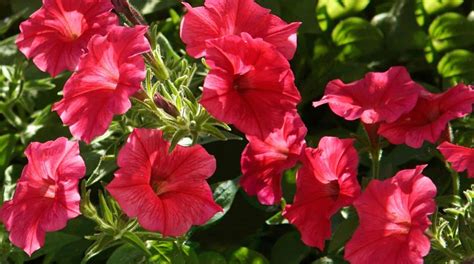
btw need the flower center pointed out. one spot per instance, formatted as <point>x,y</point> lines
<point>159,186</point>
<point>332,190</point>
<point>49,189</point>
<point>237,82</point>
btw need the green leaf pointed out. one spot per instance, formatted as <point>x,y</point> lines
<point>324,260</point>
<point>289,249</point>
<point>8,50</point>
<point>448,201</point>
<point>276,219</point>
<point>170,252</point>
<point>357,37</point>
<point>451,31</point>
<point>457,65</point>
<point>102,243</point>
<point>224,194</point>
<point>107,164</point>
<point>12,173</point>
<point>9,21</point>
<point>245,255</point>
<point>436,6</point>
<point>134,240</point>
<point>26,7</point>
<point>400,29</point>
<point>343,8</point>
<point>150,6</point>
<point>54,242</point>
<point>343,232</point>
<point>7,151</point>
<point>211,257</point>
<point>126,254</point>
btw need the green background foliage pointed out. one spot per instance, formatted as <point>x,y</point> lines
<point>339,39</point>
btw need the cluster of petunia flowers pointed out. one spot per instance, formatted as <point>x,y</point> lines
<point>250,85</point>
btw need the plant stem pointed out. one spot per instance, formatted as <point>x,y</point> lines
<point>375,157</point>
<point>455,179</point>
<point>375,150</point>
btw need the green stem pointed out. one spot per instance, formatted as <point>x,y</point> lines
<point>375,150</point>
<point>375,158</point>
<point>455,179</point>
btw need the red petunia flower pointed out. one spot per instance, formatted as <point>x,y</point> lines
<point>264,161</point>
<point>461,158</point>
<point>57,34</point>
<point>46,195</point>
<point>167,192</point>
<point>393,216</point>
<point>326,182</point>
<point>107,76</point>
<point>380,96</point>
<point>218,18</point>
<point>430,116</point>
<point>249,85</point>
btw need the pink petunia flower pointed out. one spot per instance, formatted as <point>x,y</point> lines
<point>46,194</point>
<point>218,18</point>
<point>461,158</point>
<point>325,183</point>
<point>250,84</point>
<point>379,97</point>
<point>57,34</point>
<point>430,116</point>
<point>263,161</point>
<point>393,216</point>
<point>107,76</point>
<point>167,192</point>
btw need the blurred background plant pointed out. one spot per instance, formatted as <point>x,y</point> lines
<point>342,39</point>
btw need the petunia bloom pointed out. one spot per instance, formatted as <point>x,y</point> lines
<point>250,84</point>
<point>46,194</point>
<point>218,18</point>
<point>379,97</point>
<point>167,192</point>
<point>57,34</point>
<point>263,161</point>
<point>107,76</point>
<point>429,118</point>
<point>461,158</point>
<point>393,216</point>
<point>325,183</point>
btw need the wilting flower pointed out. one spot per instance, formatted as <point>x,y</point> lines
<point>430,116</point>
<point>264,160</point>
<point>379,97</point>
<point>57,34</point>
<point>393,216</point>
<point>250,84</point>
<point>461,158</point>
<point>218,18</point>
<point>167,192</point>
<point>325,183</point>
<point>46,195</point>
<point>107,76</point>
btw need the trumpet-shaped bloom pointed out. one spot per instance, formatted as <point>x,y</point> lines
<point>107,76</point>
<point>461,158</point>
<point>430,116</point>
<point>167,192</point>
<point>218,18</point>
<point>250,84</point>
<point>264,160</point>
<point>57,34</point>
<point>326,182</point>
<point>46,195</point>
<point>393,216</point>
<point>379,97</point>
